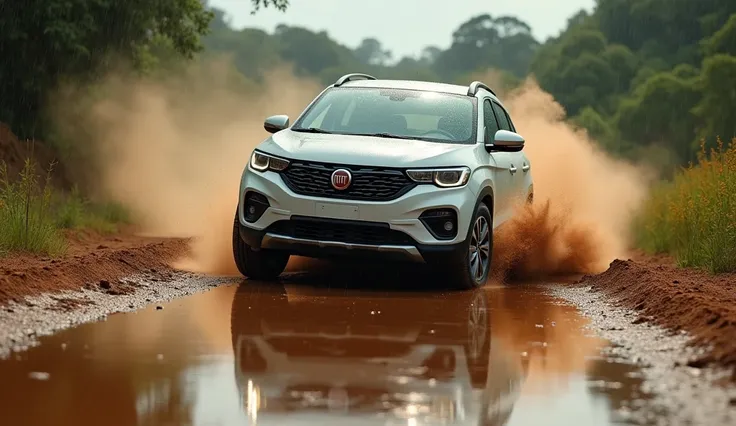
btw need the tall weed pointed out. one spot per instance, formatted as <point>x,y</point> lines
<point>26,220</point>
<point>694,216</point>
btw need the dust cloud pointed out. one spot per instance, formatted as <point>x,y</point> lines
<point>583,198</point>
<point>173,152</point>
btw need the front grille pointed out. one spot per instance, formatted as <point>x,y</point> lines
<point>368,183</point>
<point>343,231</point>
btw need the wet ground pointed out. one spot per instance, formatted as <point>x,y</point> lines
<point>315,351</point>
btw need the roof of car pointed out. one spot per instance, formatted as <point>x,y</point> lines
<point>411,85</point>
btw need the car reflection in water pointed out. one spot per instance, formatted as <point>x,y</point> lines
<point>335,357</point>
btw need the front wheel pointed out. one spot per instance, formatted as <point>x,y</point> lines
<point>472,268</point>
<point>265,265</point>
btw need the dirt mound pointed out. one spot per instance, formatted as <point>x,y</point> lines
<point>702,304</point>
<point>92,260</point>
<point>15,152</point>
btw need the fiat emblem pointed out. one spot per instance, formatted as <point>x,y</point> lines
<point>341,179</point>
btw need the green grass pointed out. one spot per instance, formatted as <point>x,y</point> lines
<point>693,217</point>
<point>33,216</point>
<point>26,221</point>
<point>72,211</point>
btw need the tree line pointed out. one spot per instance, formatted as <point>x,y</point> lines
<point>634,73</point>
<point>638,73</point>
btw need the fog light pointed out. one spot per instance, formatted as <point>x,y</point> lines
<point>255,205</point>
<point>441,223</point>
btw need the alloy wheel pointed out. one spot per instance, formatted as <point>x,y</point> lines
<point>480,248</point>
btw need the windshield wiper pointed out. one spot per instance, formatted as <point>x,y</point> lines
<point>389,135</point>
<point>383,135</point>
<point>312,130</point>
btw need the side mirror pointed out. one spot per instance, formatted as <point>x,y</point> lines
<point>275,123</point>
<point>505,141</point>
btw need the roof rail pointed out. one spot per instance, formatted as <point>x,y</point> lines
<point>474,86</point>
<point>354,76</point>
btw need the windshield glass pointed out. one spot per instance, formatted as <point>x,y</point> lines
<point>400,113</point>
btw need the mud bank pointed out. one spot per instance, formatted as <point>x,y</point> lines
<point>677,394</point>
<point>92,262</point>
<point>677,325</point>
<point>680,300</point>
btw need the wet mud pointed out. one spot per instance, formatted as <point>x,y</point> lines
<point>314,350</point>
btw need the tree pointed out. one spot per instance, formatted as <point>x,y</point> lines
<point>429,55</point>
<point>717,106</point>
<point>485,42</point>
<point>309,52</point>
<point>278,4</point>
<point>724,40</point>
<point>670,29</point>
<point>598,128</point>
<point>660,112</point>
<point>43,41</point>
<point>371,52</point>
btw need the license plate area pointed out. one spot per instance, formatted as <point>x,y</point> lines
<point>337,211</point>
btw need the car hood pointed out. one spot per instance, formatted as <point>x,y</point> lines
<point>365,150</point>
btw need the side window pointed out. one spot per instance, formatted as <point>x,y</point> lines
<point>489,120</point>
<point>511,123</point>
<point>503,120</point>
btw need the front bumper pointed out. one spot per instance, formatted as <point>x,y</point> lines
<point>400,215</point>
<point>422,253</point>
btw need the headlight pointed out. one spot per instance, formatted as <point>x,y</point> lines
<point>262,162</point>
<point>445,178</point>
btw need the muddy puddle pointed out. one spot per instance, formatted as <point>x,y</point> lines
<point>307,352</point>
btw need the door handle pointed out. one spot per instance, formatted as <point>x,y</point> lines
<point>512,169</point>
<point>525,168</point>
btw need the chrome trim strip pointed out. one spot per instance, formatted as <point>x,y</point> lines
<point>270,240</point>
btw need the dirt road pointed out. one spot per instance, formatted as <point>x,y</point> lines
<point>351,345</point>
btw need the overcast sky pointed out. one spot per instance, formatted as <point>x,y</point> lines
<point>403,26</point>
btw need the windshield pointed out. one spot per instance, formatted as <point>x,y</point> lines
<point>399,113</point>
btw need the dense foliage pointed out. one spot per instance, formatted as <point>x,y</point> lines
<point>481,42</point>
<point>643,72</point>
<point>45,41</point>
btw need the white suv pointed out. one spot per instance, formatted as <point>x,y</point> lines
<point>404,170</point>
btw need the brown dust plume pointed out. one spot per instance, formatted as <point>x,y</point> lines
<point>173,152</point>
<point>583,198</point>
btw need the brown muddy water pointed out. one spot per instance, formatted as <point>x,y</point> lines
<point>313,352</point>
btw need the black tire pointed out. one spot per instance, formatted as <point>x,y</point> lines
<point>460,272</point>
<point>263,265</point>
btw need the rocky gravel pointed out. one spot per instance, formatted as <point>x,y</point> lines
<point>21,324</point>
<point>679,394</point>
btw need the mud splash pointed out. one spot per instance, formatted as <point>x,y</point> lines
<point>584,198</point>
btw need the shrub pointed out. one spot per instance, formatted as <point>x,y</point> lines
<point>26,222</point>
<point>694,216</point>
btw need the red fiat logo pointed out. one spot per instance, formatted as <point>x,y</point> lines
<point>341,179</point>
